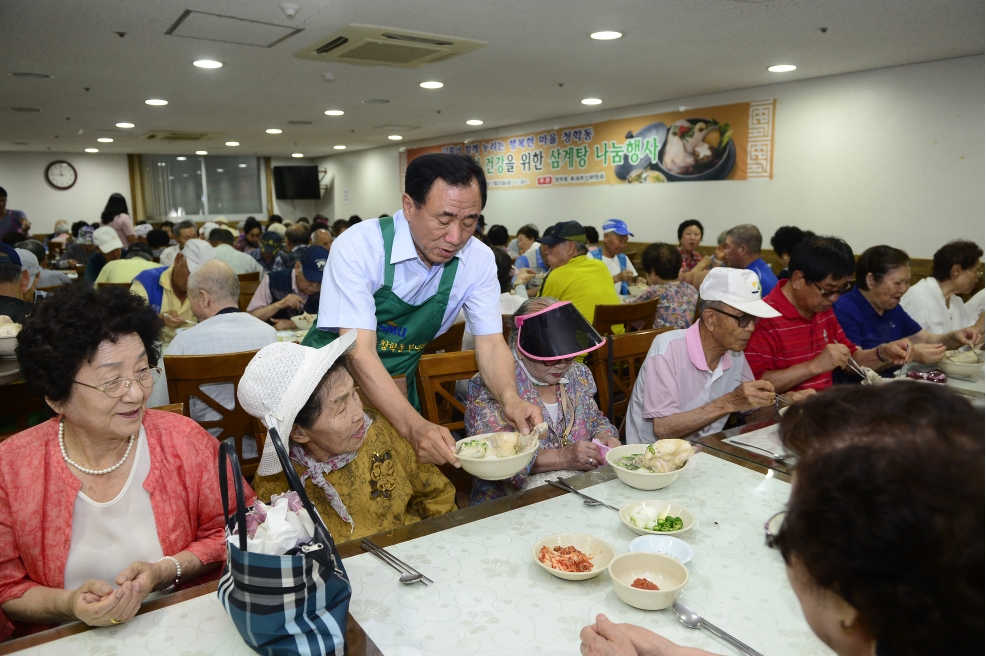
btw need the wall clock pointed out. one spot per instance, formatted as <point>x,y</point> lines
<point>61,175</point>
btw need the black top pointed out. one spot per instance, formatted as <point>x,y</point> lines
<point>14,308</point>
<point>228,310</point>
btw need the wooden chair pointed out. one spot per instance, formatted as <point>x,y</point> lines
<point>508,326</point>
<point>438,374</point>
<point>187,373</point>
<point>55,249</point>
<point>177,408</point>
<point>626,314</point>
<point>247,289</point>
<point>448,342</point>
<point>253,276</point>
<point>616,369</point>
<point>400,380</point>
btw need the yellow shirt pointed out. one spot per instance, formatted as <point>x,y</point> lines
<point>169,301</point>
<point>124,270</point>
<point>380,492</point>
<point>584,281</point>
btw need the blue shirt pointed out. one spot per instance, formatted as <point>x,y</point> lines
<point>868,329</point>
<point>767,278</point>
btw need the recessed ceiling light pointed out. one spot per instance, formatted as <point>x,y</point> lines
<point>474,121</point>
<point>591,101</point>
<point>273,131</point>
<point>207,63</point>
<point>124,125</point>
<point>157,102</point>
<point>431,85</point>
<point>243,166</point>
<point>181,159</point>
<point>338,147</point>
<point>219,170</point>
<point>104,140</point>
<point>334,112</point>
<point>782,68</point>
<point>606,35</point>
<point>201,152</point>
<point>232,143</point>
<point>395,137</point>
<point>297,155</point>
<point>92,150</point>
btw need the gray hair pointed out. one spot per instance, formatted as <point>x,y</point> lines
<point>217,278</point>
<point>185,225</point>
<point>709,305</point>
<point>721,239</point>
<point>747,235</point>
<point>530,306</point>
<point>581,248</point>
<point>33,246</point>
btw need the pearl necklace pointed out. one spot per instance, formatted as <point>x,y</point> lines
<point>94,472</point>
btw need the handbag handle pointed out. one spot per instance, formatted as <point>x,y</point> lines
<point>609,380</point>
<point>227,452</point>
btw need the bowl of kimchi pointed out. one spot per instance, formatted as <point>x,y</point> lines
<point>648,581</point>
<point>573,556</point>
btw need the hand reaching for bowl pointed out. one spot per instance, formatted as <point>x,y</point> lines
<point>523,275</point>
<point>928,353</point>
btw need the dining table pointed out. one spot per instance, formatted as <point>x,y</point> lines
<point>489,596</point>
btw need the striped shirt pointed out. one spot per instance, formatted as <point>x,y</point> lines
<point>791,339</point>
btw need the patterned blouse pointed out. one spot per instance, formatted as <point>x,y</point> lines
<point>689,260</point>
<point>676,307</point>
<point>483,415</point>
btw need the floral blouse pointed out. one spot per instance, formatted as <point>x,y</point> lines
<point>676,307</point>
<point>483,415</point>
<point>689,260</point>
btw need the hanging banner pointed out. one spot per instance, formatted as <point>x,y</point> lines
<point>729,142</point>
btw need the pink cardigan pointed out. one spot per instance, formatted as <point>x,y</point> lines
<point>37,497</point>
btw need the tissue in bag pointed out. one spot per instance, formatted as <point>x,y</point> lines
<point>280,528</point>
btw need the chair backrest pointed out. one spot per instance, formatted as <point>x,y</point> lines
<point>400,380</point>
<point>20,409</point>
<point>55,249</point>
<point>625,314</point>
<point>188,373</point>
<point>253,276</point>
<point>247,289</point>
<point>80,269</point>
<point>450,340</point>
<point>122,285</point>
<point>615,378</point>
<point>177,408</point>
<point>508,326</point>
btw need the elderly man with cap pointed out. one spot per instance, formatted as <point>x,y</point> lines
<point>108,248</point>
<point>30,266</point>
<point>15,281</point>
<point>46,277</point>
<point>615,233</point>
<point>183,232</point>
<point>574,276</point>
<point>400,281</point>
<point>692,379</point>
<point>287,293</point>
<point>271,244</point>
<point>166,288</point>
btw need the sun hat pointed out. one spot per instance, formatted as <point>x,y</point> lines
<point>737,288</point>
<point>313,260</point>
<point>29,263</point>
<point>8,255</point>
<point>271,242</point>
<point>142,229</point>
<point>279,228</point>
<point>106,239</point>
<point>196,253</point>
<point>561,232</point>
<point>557,332</point>
<point>617,226</point>
<point>278,382</point>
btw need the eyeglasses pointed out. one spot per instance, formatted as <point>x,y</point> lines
<point>773,528</point>
<point>118,387</point>
<point>845,289</point>
<point>743,320</point>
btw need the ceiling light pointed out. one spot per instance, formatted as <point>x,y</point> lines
<point>431,85</point>
<point>334,112</point>
<point>297,155</point>
<point>219,170</point>
<point>591,101</point>
<point>243,166</point>
<point>338,147</point>
<point>474,121</point>
<point>395,137</point>
<point>201,152</point>
<point>92,150</point>
<point>782,68</point>
<point>104,140</point>
<point>232,143</point>
<point>207,63</point>
<point>606,35</point>
<point>157,102</point>
<point>181,159</point>
<point>273,131</point>
<point>124,125</point>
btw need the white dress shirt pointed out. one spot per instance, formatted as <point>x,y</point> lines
<point>925,302</point>
<point>613,264</point>
<point>240,262</point>
<point>355,271</point>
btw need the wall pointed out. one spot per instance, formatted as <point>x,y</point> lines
<point>23,176</point>
<point>892,155</point>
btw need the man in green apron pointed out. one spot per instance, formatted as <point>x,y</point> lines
<point>401,281</point>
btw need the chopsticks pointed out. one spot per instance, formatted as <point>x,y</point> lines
<point>393,560</point>
<point>855,368</point>
<point>562,485</point>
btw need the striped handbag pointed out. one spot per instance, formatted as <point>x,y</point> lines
<point>291,604</point>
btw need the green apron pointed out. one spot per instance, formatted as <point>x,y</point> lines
<point>403,330</point>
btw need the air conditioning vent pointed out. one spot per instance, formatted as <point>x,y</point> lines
<point>180,135</point>
<point>370,45</point>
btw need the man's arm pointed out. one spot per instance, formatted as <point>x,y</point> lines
<point>496,366</point>
<point>748,396</point>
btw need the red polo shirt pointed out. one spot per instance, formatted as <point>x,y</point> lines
<point>791,339</point>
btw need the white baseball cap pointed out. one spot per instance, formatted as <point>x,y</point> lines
<point>196,253</point>
<point>30,264</point>
<point>106,238</point>
<point>737,288</point>
<point>278,382</point>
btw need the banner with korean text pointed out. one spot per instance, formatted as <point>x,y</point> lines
<point>729,142</point>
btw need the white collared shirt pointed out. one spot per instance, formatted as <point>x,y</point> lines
<point>925,302</point>
<point>355,271</point>
<point>240,262</point>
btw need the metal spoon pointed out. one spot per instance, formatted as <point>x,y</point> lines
<point>693,620</point>
<point>406,577</point>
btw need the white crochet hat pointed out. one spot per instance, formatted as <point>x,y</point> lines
<point>279,381</point>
